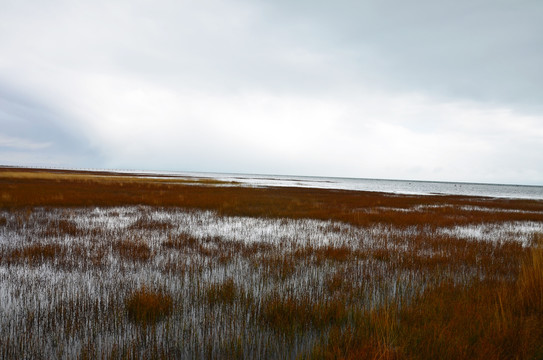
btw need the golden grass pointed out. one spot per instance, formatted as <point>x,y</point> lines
<point>99,177</point>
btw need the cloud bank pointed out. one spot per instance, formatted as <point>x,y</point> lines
<point>374,89</point>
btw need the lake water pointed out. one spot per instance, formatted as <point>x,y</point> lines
<point>393,186</point>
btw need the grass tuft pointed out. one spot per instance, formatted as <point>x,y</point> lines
<point>226,292</point>
<point>147,306</point>
<point>133,250</point>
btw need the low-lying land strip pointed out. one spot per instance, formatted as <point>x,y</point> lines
<point>125,266</point>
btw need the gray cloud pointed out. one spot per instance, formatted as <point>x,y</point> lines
<point>478,50</point>
<point>31,131</point>
<point>424,89</point>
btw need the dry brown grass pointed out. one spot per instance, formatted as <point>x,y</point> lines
<point>483,320</point>
<point>60,228</point>
<point>338,283</point>
<point>133,250</point>
<point>37,254</point>
<point>277,265</point>
<point>289,314</point>
<point>182,241</point>
<point>224,293</point>
<point>146,306</point>
<point>530,281</point>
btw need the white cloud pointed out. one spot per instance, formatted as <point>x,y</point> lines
<point>22,144</point>
<point>379,135</point>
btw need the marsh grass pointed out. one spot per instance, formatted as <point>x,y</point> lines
<point>111,267</point>
<point>146,306</point>
<point>478,320</point>
<point>226,292</point>
<point>135,250</point>
<point>530,280</point>
<point>67,189</point>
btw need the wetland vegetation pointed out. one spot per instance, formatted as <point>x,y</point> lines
<point>117,266</point>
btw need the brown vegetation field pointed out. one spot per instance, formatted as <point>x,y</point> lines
<point>120,266</point>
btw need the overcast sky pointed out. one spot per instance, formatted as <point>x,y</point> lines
<point>423,89</point>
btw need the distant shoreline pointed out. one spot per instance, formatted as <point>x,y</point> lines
<point>406,187</point>
<point>207,174</point>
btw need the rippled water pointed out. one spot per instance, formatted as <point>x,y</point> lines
<point>394,186</point>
